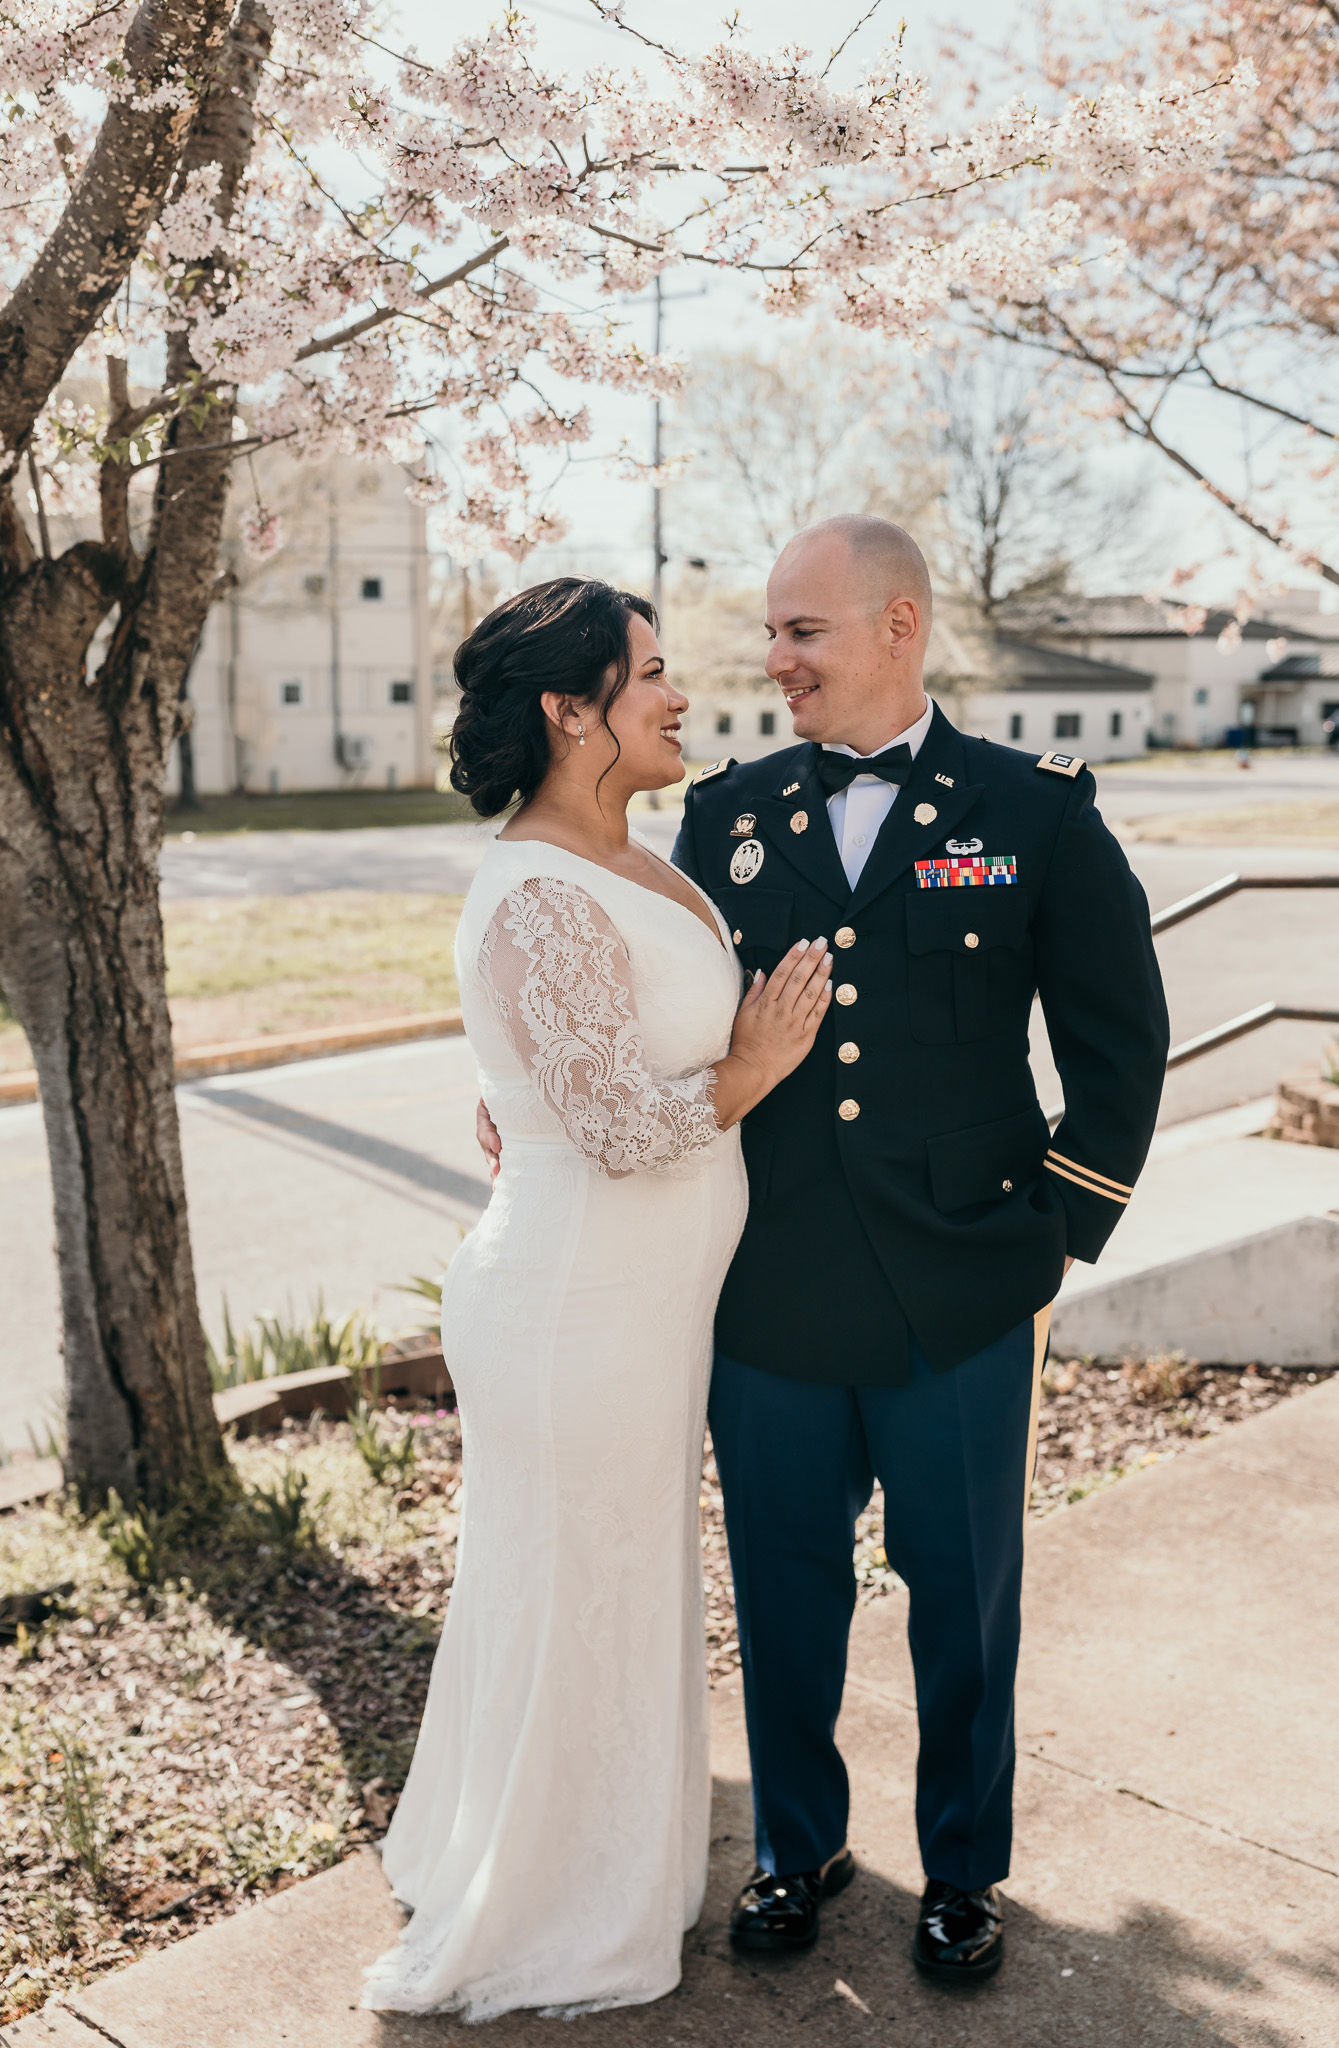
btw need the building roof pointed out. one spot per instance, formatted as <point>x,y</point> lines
<point>1130,618</point>
<point>1304,668</point>
<point>965,647</point>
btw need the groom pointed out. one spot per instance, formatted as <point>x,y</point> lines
<point>910,1215</point>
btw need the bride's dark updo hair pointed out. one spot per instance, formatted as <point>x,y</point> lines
<point>570,635</point>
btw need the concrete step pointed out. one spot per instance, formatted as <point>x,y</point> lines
<point>1227,1252</point>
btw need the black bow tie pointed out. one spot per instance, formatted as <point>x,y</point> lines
<point>836,771</point>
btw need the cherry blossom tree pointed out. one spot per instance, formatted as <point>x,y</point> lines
<point>1227,294</point>
<point>266,225</point>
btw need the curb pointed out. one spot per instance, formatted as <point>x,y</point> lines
<point>237,1055</point>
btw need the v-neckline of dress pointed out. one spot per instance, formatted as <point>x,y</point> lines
<point>614,875</point>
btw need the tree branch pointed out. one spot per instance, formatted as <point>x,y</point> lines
<point>108,214</point>
<point>322,346</point>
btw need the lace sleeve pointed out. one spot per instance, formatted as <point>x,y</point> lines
<point>557,972</point>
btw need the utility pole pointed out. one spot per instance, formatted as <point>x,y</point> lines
<point>657,531</point>
<point>332,580</point>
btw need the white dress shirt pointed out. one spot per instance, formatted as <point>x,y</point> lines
<point>858,811</point>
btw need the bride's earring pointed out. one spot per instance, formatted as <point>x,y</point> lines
<point>581,734</point>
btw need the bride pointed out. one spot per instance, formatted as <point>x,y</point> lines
<point>552,1838</point>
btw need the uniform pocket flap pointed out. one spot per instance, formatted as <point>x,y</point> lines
<point>987,1162</point>
<point>966,920</point>
<point>760,916</point>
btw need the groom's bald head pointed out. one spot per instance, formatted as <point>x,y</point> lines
<point>885,558</point>
<point>848,615</point>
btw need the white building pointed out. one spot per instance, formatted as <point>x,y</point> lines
<point>987,682</point>
<point>1199,689</point>
<point>315,671</point>
<point>1023,694</point>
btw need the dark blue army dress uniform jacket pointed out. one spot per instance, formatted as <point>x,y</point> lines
<point>904,1175</point>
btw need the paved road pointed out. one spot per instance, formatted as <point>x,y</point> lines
<point>442,858</point>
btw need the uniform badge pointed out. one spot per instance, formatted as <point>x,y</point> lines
<point>947,780</point>
<point>743,825</point>
<point>963,845</point>
<point>746,860</point>
<point>790,789</point>
<point>1062,764</point>
<point>800,822</point>
<point>925,814</point>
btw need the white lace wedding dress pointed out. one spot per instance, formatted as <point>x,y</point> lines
<point>552,1837</point>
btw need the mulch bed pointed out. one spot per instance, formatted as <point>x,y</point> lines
<point>170,1752</point>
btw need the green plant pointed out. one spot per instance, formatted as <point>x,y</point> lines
<point>1329,1063</point>
<point>137,1538</point>
<point>271,1345</point>
<point>286,1517</point>
<point>386,1457</point>
<point>81,1820</point>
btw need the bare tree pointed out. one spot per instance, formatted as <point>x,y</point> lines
<point>826,424</point>
<point>1027,508</point>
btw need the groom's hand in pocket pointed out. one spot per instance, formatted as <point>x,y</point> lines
<point>490,1143</point>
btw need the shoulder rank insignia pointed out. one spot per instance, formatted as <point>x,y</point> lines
<point>716,768</point>
<point>1062,764</point>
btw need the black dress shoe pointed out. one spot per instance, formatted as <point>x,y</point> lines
<point>959,1936</point>
<point>778,1914</point>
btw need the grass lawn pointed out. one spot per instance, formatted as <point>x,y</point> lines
<point>242,967</point>
<point>322,810</point>
<point>1309,821</point>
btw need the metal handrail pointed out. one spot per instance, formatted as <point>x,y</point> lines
<point>1218,892</point>
<point>1237,1027</point>
<point>1249,1020</point>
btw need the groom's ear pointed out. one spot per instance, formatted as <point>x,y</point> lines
<point>901,620</point>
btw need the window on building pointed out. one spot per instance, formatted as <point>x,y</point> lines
<point>1068,725</point>
<point>313,585</point>
<point>290,693</point>
<point>1117,725</point>
<point>402,693</point>
<point>722,722</point>
<point>1015,725</point>
<point>1201,696</point>
<point>767,724</point>
<point>372,587</point>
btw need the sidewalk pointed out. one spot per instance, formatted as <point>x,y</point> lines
<point>1176,1882</point>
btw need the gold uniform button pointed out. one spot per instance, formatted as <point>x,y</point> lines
<point>846,994</point>
<point>848,1111</point>
<point>972,941</point>
<point>848,1052</point>
<point>844,938</point>
<point>1008,1186</point>
<point>738,937</point>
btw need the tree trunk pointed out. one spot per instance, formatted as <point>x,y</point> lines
<point>81,960</point>
<point>82,777</point>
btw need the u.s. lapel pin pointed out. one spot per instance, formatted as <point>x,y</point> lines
<point>925,814</point>
<point>947,780</point>
<point>799,821</point>
<point>790,789</point>
<point>743,825</point>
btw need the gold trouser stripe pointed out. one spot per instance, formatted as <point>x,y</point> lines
<point>1091,1172</point>
<point>1041,1331</point>
<point>1091,1186</point>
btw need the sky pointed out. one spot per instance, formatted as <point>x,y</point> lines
<point>610,518</point>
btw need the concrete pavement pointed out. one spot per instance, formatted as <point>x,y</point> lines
<point>340,1176</point>
<point>1176,1876</point>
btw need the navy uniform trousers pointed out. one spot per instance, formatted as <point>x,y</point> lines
<point>953,1452</point>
